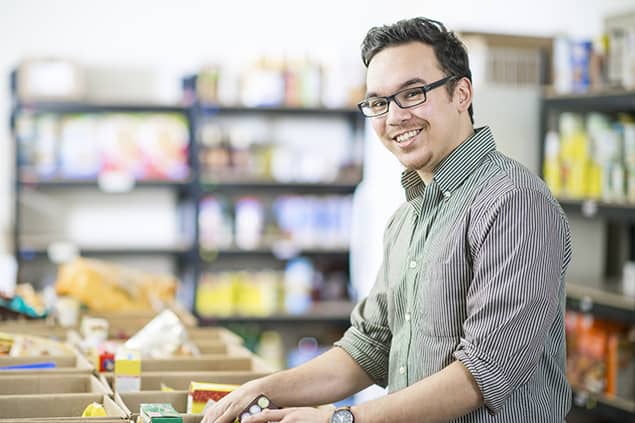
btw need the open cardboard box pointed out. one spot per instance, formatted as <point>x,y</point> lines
<point>63,364</point>
<point>130,402</point>
<point>52,407</point>
<point>53,384</point>
<point>180,381</point>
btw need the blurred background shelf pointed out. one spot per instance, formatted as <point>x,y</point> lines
<point>604,298</point>
<point>592,209</point>
<point>332,312</point>
<point>603,406</point>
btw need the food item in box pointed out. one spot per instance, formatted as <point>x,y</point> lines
<point>261,402</point>
<point>200,394</point>
<point>127,370</point>
<point>159,413</point>
<point>94,409</point>
<point>105,287</point>
<point>161,337</point>
<point>31,346</point>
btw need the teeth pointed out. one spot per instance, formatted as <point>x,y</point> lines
<point>407,135</point>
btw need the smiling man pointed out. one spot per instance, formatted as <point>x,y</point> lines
<point>465,321</point>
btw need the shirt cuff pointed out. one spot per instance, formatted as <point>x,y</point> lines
<point>489,377</point>
<point>371,356</point>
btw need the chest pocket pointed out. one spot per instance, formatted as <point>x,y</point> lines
<point>442,287</point>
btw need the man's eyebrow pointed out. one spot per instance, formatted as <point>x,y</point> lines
<point>401,86</point>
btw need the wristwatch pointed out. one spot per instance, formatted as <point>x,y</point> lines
<point>342,415</point>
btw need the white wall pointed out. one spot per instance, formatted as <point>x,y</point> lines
<point>176,37</point>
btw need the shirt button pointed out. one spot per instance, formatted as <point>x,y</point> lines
<point>402,370</point>
<point>413,264</point>
<point>407,317</point>
<point>447,194</point>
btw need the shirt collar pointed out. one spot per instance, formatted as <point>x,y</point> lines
<point>455,168</point>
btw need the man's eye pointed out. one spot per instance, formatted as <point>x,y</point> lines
<point>377,103</point>
<point>413,94</point>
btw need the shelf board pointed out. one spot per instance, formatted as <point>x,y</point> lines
<point>604,298</point>
<point>41,250</point>
<point>307,187</point>
<point>593,209</point>
<point>97,107</point>
<point>283,253</point>
<point>61,183</point>
<point>614,100</point>
<point>336,312</point>
<point>210,109</point>
<point>603,405</point>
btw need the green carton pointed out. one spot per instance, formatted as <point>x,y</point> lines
<point>159,413</point>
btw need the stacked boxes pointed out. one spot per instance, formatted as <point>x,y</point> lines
<point>72,389</point>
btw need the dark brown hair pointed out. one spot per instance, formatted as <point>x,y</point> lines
<point>448,49</point>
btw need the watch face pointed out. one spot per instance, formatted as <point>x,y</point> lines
<point>342,416</point>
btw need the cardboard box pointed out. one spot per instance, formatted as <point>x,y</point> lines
<point>131,402</point>
<point>53,384</point>
<point>63,365</point>
<point>180,381</point>
<point>51,407</point>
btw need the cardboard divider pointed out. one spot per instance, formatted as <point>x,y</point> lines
<point>51,407</point>
<point>63,365</point>
<point>53,384</point>
<point>213,333</point>
<point>220,347</point>
<point>180,381</point>
<point>204,363</point>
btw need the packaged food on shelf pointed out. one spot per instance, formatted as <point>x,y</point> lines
<point>600,355</point>
<point>79,155</point>
<point>103,286</point>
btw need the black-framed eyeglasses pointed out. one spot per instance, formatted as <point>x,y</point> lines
<point>409,97</point>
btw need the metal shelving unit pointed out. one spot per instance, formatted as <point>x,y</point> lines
<point>603,298</point>
<point>191,256</point>
<point>325,312</point>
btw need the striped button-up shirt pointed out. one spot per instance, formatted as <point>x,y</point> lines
<point>473,270</point>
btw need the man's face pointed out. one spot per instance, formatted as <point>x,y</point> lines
<point>421,136</point>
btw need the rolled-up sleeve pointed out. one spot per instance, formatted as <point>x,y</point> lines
<point>368,339</point>
<point>520,247</point>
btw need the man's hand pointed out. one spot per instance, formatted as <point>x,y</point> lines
<point>230,406</point>
<point>289,415</point>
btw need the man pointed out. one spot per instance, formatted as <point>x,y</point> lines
<point>465,321</point>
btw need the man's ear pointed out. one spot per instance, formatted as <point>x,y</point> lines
<point>463,94</point>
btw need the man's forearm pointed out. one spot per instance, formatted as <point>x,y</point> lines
<point>328,378</point>
<point>446,395</point>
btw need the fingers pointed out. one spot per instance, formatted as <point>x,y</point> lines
<point>268,416</point>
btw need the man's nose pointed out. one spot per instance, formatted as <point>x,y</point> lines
<point>396,114</point>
